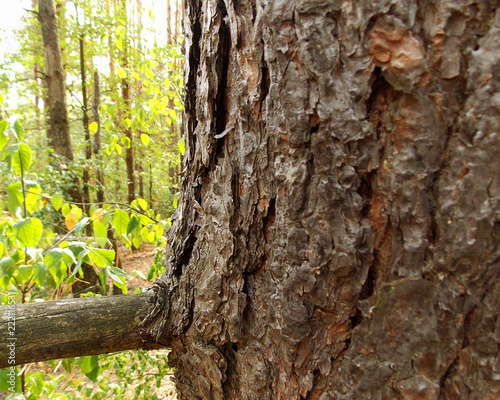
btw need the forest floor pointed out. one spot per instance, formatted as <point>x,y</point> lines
<point>139,260</point>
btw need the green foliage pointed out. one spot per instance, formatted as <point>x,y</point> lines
<point>36,265</point>
<point>113,377</point>
<point>44,238</point>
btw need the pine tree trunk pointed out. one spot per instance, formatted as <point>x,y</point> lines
<point>338,231</point>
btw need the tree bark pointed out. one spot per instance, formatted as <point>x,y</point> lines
<point>129,151</point>
<point>97,141</point>
<point>76,327</point>
<point>338,231</point>
<point>88,145</point>
<point>337,235</point>
<point>58,131</point>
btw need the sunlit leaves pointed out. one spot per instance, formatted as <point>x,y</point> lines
<point>143,204</point>
<point>57,201</point>
<point>102,258</point>
<point>182,146</point>
<point>100,233</point>
<point>14,197</point>
<point>4,137</point>
<point>93,127</point>
<point>120,222</point>
<point>144,139</point>
<point>19,130</point>
<point>118,276</point>
<point>89,365</point>
<point>33,198</point>
<point>21,161</point>
<point>28,231</point>
<point>126,141</point>
<point>121,72</point>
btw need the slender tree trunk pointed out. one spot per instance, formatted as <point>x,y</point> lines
<point>169,22</point>
<point>85,110</point>
<point>58,131</point>
<point>338,231</point>
<point>129,152</point>
<point>177,20</point>
<point>97,141</point>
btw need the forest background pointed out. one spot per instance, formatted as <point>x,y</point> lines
<point>65,212</point>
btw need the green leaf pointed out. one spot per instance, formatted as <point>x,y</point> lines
<point>4,137</point>
<point>53,258</point>
<point>40,275</point>
<point>55,263</point>
<point>143,204</point>
<point>133,224</point>
<point>8,267</point>
<point>14,197</point>
<point>182,146</point>
<point>34,199</point>
<point>126,141</point>
<point>93,375</point>
<point>57,201</point>
<point>28,231</point>
<point>144,233</point>
<point>21,161</point>
<point>121,31</point>
<point>5,381</point>
<point>101,257</point>
<point>128,122</point>
<point>100,233</point>
<point>68,364</point>
<point>88,363</point>
<point>80,225</point>
<point>93,127</point>
<point>24,273</point>
<point>118,276</point>
<point>121,72</point>
<point>144,139</point>
<point>120,222</point>
<point>119,43</point>
<point>19,130</point>
<point>65,210</point>
<point>118,149</point>
<point>126,240</point>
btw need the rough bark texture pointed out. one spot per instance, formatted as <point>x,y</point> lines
<point>58,131</point>
<point>338,232</point>
<point>76,327</point>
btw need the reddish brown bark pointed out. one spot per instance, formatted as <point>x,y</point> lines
<point>338,232</point>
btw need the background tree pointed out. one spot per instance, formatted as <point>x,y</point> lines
<point>58,131</point>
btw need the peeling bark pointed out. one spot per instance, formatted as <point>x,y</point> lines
<point>338,231</point>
